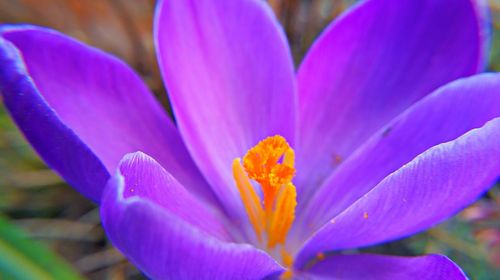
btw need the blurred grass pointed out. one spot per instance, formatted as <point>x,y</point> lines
<point>52,213</point>
<point>23,258</point>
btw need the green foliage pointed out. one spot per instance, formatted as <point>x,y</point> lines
<point>22,258</point>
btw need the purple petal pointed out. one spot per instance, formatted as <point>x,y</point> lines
<point>430,188</point>
<point>440,117</point>
<point>165,234</point>
<point>378,267</point>
<point>229,73</point>
<point>145,178</point>
<point>373,63</point>
<point>83,109</point>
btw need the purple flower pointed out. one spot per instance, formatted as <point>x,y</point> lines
<point>269,173</point>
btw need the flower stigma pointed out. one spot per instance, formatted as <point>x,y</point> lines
<point>270,163</point>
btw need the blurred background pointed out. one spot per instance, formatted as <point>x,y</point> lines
<point>48,230</point>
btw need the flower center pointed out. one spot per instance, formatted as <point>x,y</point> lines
<point>271,164</point>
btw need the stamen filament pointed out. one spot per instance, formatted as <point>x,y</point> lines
<point>283,216</point>
<point>250,199</point>
<point>287,262</point>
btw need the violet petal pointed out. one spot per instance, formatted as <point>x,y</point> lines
<point>229,73</point>
<point>370,65</point>
<point>145,178</point>
<point>435,185</point>
<point>83,110</point>
<point>168,241</point>
<point>440,117</point>
<point>379,267</point>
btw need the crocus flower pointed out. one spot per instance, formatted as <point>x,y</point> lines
<point>384,131</point>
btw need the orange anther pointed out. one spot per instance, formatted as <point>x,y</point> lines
<point>271,164</point>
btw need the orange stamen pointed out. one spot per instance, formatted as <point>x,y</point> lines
<point>287,262</point>
<point>250,199</point>
<point>283,216</point>
<point>271,164</point>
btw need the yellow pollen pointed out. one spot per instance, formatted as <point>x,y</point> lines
<point>320,256</point>
<point>337,159</point>
<point>365,215</point>
<point>271,164</point>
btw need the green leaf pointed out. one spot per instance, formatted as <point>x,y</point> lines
<point>23,258</point>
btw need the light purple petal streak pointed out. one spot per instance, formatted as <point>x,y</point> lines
<point>229,74</point>
<point>378,267</point>
<point>162,241</point>
<point>78,94</point>
<point>427,190</point>
<point>371,64</point>
<point>440,117</point>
